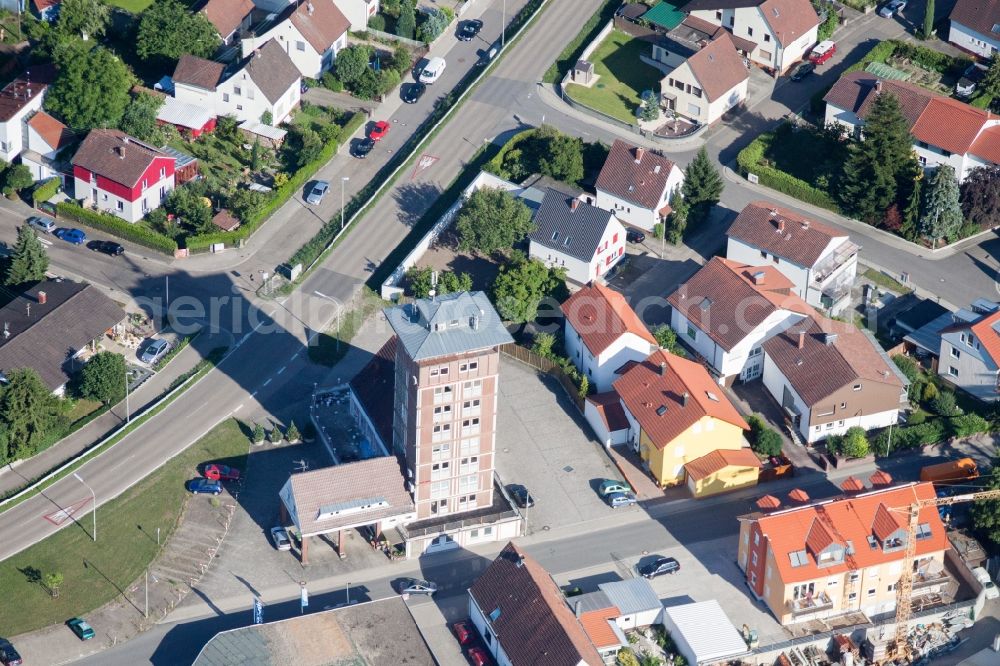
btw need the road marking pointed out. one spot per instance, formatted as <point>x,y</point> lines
<point>236,409</point>
<point>253,394</point>
<point>282,369</point>
<point>45,242</point>
<point>62,515</point>
<point>295,355</point>
<point>266,383</point>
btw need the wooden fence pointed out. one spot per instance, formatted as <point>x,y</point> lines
<point>548,366</point>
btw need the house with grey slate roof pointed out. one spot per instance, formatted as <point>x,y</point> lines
<point>585,240</point>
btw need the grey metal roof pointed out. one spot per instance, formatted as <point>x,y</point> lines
<point>573,231</point>
<point>183,159</point>
<point>632,596</point>
<point>591,601</point>
<point>928,336</point>
<point>706,630</point>
<point>447,325</point>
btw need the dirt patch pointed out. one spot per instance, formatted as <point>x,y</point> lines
<point>444,255</point>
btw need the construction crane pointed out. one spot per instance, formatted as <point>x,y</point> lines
<point>899,649</point>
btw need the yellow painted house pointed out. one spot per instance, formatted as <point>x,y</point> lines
<point>685,428</point>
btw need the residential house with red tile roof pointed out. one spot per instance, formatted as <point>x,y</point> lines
<point>944,130</point>
<point>46,138</point>
<point>970,355</point>
<point>707,84</point>
<point>603,333</point>
<point>19,99</point>
<point>523,618</point>
<point>727,310</point>
<point>230,17</point>
<point>829,376</point>
<point>843,555</point>
<point>46,10</point>
<point>782,31</point>
<point>821,261</point>
<point>121,175</point>
<point>974,26</point>
<point>636,183</point>
<point>311,32</point>
<point>677,416</point>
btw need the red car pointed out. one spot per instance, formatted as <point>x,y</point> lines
<point>478,656</point>
<point>463,631</point>
<point>823,52</point>
<point>221,473</point>
<point>379,131</point>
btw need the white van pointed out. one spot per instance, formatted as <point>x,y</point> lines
<point>433,71</point>
<point>984,577</point>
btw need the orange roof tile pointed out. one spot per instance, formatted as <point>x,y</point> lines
<point>818,538</point>
<point>799,495</point>
<point>609,408</point>
<point>950,124</point>
<point>885,522</point>
<point>600,315</point>
<point>653,392</point>
<point>51,130</point>
<point>717,460</point>
<point>849,519</point>
<point>880,478</point>
<point>986,332</point>
<point>595,623</point>
<point>987,144</point>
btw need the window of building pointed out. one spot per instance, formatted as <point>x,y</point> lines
<point>753,577</point>
<point>441,452</point>
<point>441,432</point>
<point>923,531</point>
<point>301,46</point>
<point>440,488</point>
<point>852,596</point>
<point>955,353</point>
<point>871,592</point>
<point>692,332</point>
<point>953,371</point>
<point>853,576</point>
<point>829,426</point>
<point>121,205</point>
<point>803,591</point>
<point>469,446</point>
<point>843,405</point>
<point>750,31</point>
<point>470,425</point>
<point>237,91</point>
<point>163,172</point>
<point>469,465</point>
<point>469,502</point>
<point>443,394</point>
<point>442,412</point>
<point>732,21</point>
<point>439,471</point>
<point>145,184</point>
<point>239,107</point>
<point>840,423</point>
<point>856,387</point>
<point>777,259</point>
<point>468,484</point>
<point>694,109</point>
<point>475,387</point>
<point>763,254</point>
<point>696,91</point>
<point>756,538</point>
<point>718,14</point>
<point>754,558</point>
<point>225,97</point>
<point>767,37</point>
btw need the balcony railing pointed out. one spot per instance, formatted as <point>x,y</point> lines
<point>832,262</point>
<point>810,603</point>
<point>922,580</point>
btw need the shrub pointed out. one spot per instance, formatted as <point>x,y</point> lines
<point>917,416</point>
<point>944,403</point>
<point>45,190</point>
<point>331,82</point>
<point>276,435</point>
<point>258,433</point>
<point>750,160</point>
<point>969,424</point>
<point>855,443</point>
<point>292,434</point>
<point>543,344</point>
<point>768,443</point>
<point>377,22</point>
<point>434,23</point>
<point>117,227</point>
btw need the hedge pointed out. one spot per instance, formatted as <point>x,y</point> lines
<point>495,165</point>
<point>45,190</point>
<point>118,227</point>
<point>749,161</point>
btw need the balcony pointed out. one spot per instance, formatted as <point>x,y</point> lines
<point>810,603</point>
<point>833,262</point>
<point>924,579</point>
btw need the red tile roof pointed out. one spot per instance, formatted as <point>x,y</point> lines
<point>718,460</point>
<point>980,15</point>
<point>818,538</point>
<point>985,330</point>
<point>849,519</point>
<point>528,613</point>
<point>116,156</point>
<point>950,124</point>
<point>886,522</point>
<point>595,623</point>
<point>852,484</point>
<point>987,145</point>
<point>319,21</point>
<point>601,315</point>
<point>782,232</point>
<point>53,132</point>
<point>880,478</point>
<point>635,174</point>
<point>722,300</point>
<point>225,220</point>
<point>226,15</point>
<point>789,19</point>
<point>609,407</point>
<point>194,71</point>
<point>818,368</point>
<point>653,392</point>
<point>718,67</point>
<point>768,502</point>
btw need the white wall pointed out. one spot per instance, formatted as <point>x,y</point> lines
<point>40,170</point>
<point>577,270</point>
<point>701,342</point>
<point>601,369</point>
<point>600,429</point>
<point>775,381</point>
<point>739,251</point>
<point>640,619</point>
<point>11,133</point>
<point>633,214</point>
<point>309,63</point>
<point>974,375</point>
<point>250,103</point>
<point>703,111</point>
<point>970,40</point>
<point>131,211</point>
<point>38,144</point>
<point>194,95</point>
<point>478,618</point>
<point>358,11</point>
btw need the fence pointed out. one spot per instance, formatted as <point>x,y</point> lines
<point>378,34</point>
<point>546,365</point>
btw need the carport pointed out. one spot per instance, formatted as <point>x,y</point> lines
<point>344,497</point>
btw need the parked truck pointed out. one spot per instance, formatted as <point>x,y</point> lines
<point>955,471</point>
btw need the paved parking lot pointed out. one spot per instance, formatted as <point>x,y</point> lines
<point>544,444</point>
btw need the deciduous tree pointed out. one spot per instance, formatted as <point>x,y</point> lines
<point>139,119</point>
<point>91,88</point>
<point>667,339</point>
<point>942,212</point>
<point>406,24</point>
<point>563,159</point>
<point>168,30</point>
<point>83,18</point>
<point>855,443</point>
<point>492,220</point>
<point>986,513</point>
<point>521,286</point>
<point>352,62</point>
<point>980,196</point>
<point>28,262</point>
<point>103,378</point>
<point>434,23</point>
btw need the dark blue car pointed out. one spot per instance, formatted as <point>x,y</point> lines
<point>74,236</point>
<point>204,487</point>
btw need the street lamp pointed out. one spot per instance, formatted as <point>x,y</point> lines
<point>503,25</point>
<point>128,412</point>
<point>94,509</point>
<point>343,180</point>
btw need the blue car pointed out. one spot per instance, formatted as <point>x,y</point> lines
<point>74,236</point>
<point>204,487</point>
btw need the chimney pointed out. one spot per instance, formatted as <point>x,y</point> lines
<point>805,224</point>
<point>120,151</point>
<point>878,86</point>
<point>574,204</point>
<point>758,277</point>
<point>802,339</point>
<point>781,226</point>
<point>639,152</point>
<point>774,212</point>
<point>685,398</point>
<point>309,8</point>
<point>663,369</point>
<point>829,338</point>
<point>42,297</point>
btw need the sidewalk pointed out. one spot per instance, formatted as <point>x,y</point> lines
<point>21,473</point>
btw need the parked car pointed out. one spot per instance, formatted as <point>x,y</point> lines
<point>279,536</point>
<point>318,191</point>
<point>966,85</point>
<point>983,577</point>
<point>611,486</point>
<point>417,586</point>
<point>478,656</point>
<point>469,29</point>
<point>8,655</point>
<point>74,236</point>
<point>635,236</point>
<point>464,632</point>
<point>412,92</point>
<point>362,147</point>
<point>217,472</point>
<point>109,248</point>
<point>44,224</point>
<point>893,8</point>
<point>379,130</point>
<point>521,496</point>
<point>80,627</point>
<point>433,70</point>
<point>488,56</point>
<point>823,52</point>
<point>659,567</point>
<point>803,70</point>
<point>616,500</point>
<point>154,351</point>
<point>204,487</point>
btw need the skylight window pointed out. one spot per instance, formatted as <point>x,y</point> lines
<point>661,410</point>
<point>798,558</point>
<point>495,614</point>
<point>712,396</point>
<point>555,235</point>
<point>568,240</point>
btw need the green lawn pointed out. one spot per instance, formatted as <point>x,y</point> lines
<point>814,157</point>
<point>82,408</point>
<point>96,573</point>
<point>623,77</point>
<point>134,6</point>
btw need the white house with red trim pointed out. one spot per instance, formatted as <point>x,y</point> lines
<point>121,175</point>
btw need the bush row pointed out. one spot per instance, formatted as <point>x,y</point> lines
<point>929,432</point>
<point>750,159</point>
<point>45,190</point>
<point>117,227</point>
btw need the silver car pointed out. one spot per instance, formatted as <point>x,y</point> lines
<point>280,538</point>
<point>154,351</point>
<point>44,224</point>
<point>417,586</point>
<point>318,191</point>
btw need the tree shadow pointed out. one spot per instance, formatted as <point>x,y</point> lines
<point>414,199</point>
<point>32,574</point>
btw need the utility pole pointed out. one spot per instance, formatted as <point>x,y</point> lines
<point>128,412</point>
<point>343,180</point>
<point>94,508</point>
